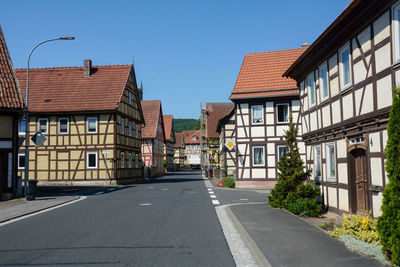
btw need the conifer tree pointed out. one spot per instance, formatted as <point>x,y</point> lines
<point>389,223</point>
<point>291,171</point>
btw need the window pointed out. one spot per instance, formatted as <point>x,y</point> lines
<point>137,161</point>
<point>396,16</point>
<point>257,114</point>
<point>63,125</point>
<point>130,98</point>
<point>130,128</point>
<point>330,161</point>
<point>283,112</point>
<point>282,150</point>
<point>122,160</point>
<point>258,156</point>
<point>311,89</point>
<point>21,161</point>
<point>92,124</point>
<point>137,130</point>
<point>317,162</point>
<point>22,127</point>
<point>43,123</point>
<point>122,126</point>
<point>91,160</point>
<point>130,160</point>
<point>344,67</point>
<point>323,81</point>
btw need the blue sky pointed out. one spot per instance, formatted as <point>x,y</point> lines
<point>186,52</point>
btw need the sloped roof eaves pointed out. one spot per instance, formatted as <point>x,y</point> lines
<point>168,121</point>
<point>152,111</point>
<point>280,93</point>
<point>216,111</point>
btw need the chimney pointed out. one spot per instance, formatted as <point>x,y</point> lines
<point>87,68</point>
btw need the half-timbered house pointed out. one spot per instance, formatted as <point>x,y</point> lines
<point>169,142</point>
<point>263,100</point>
<point>91,117</point>
<point>11,106</point>
<point>227,143</point>
<point>179,151</point>
<point>153,138</point>
<point>192,149</point>
<point>346,79</point>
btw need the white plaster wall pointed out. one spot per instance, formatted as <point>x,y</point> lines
<point>319,112</point>
<point>230,162</point>
<point>246,119</point>
<point>269,106</point>
<point>384,88</point>
<point>332,193</point>
<point>384,138</point>
<point>336,112</point>
<point>258,139</point>
<point>334,86</point>
<point>270,148</point>
<point>333,67</point>
<point>258,131</point>
<point>326,116</point>
<point>381,28</point>
<point>323,171</point>
<point>376,204</point>
<point>360,72</point>
<point>342,173</point>
<point>229,127</point>
<point>397,78</point>
<point>241,132</point>
<point>303,158</point>
<point>280,130</point>
<point>270,131</point>
<point>343,199</point>
<point>367,104</point>
<point>303,123</point>
<point>382,58</point>
<point>270,118</point>
<point>258,173</point>
<point>271,173</point>
<point>365,41</point>
<point>271,161</point>
<point>376,171</point>
<point>375,145</point>
<point>313,121</point>
<point>244,108</point>
<point>302,147</point>
<point>246,174</point>
<point>295,116</point>
<point>304,102</point>
<point>341,149</point>
<point>295,105</point>
<point>274,138</point>
<point>348,111</point>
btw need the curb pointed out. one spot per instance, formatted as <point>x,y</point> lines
<point>39,210</point>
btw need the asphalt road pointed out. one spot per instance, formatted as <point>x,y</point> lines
<point>170,221</point>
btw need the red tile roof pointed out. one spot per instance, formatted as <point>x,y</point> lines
<point>10,92</point>
<point>191,137</point>
<point>65,89</point>
<point>179,140</point>
<point>261,74</point>
<point>167,126</point>
<point>215,112</point>
<point>152,111</point>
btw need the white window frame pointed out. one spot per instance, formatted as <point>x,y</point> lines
<point>263,156</point>
<point>278,147</point>
<point>59,125</point>
<point>341,67</point>
<point>277,112</point>
<point>130,128</point>
<point>396,34</point>
<point>87,159</point>
<point>329,163</point>
<point>311,89</point>
<point>317,147</point>
<point>130,160</point>
<point>87,125</point>
<point>321,81</point>
<point>47,125</point>
<point>252,115</point>
<point>19,126</point>
<point>130,98</point>
<point>19,161</point>
<point>122,160</point>
<point>122,126</point>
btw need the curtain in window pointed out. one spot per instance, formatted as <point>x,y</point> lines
<point>258,156</point>
<point>257,114</point>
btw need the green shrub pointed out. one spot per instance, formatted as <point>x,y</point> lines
<point>304,207</point>
<point>229,181</point>
<point>389,223</point>
<point>308,190</point>
<point>165,163</point>
<point>358,226</point>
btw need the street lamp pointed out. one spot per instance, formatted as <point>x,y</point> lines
<point>27,109</point>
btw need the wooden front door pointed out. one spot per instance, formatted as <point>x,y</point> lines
<point>3,171</point>
<point>360,181</point>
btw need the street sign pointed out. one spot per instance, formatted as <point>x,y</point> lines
<point>38,139</point>
<point>230,144</point>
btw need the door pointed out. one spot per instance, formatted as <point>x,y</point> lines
<point>3,171</point>
<point>360,181</point>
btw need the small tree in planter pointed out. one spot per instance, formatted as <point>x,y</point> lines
<point>290,192</point>
<point>389,223</point>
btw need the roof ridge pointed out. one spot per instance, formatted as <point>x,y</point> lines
<point>275,51</point>
<point>71,67</point>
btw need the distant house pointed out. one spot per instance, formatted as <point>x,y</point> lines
<point>263,101</point>
<point>91,117</point>
<point>346,79</point>
<point>153,138</point>
<point>227,143</point>
<point>11,107</point>
<point>192,149</point>
<point>179,151</point>
<point>212,113</point>
<point>169,142</point>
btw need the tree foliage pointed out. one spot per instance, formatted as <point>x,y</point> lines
<point>389,222</point>
<point>181,125</point>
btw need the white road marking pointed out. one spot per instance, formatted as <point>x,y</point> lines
<point>145,204</point>
<point>213,196</point>
<point>215,202</point>
<point>164,189</point>
<point>211,192</point>
<point>209,189</point>
<point>42,211</point>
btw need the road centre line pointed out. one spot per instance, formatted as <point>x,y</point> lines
<point>215,202</point>
<point>213,196</point>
